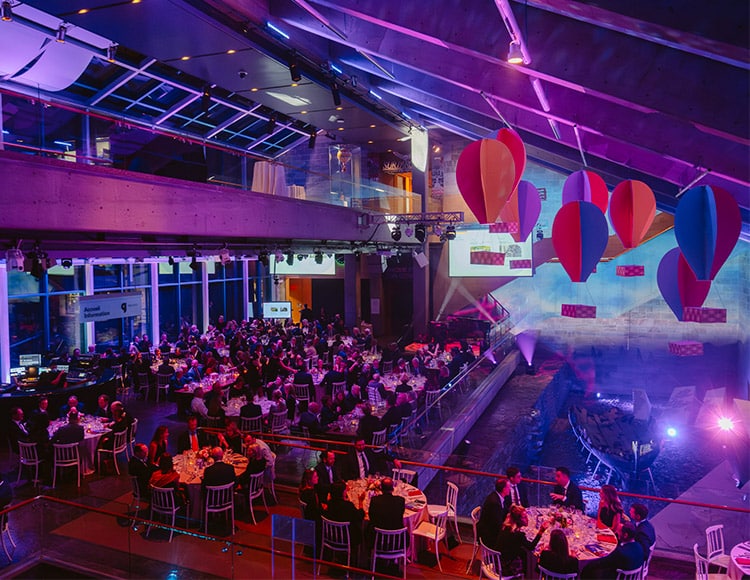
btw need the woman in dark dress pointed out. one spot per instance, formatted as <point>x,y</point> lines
<point>309,495</point>
<point>158,445</point>
<point>512,542</point>
<point>610,508</point>
<point>557,558</point>
<point>166,477</point>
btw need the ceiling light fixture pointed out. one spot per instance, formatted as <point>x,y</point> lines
<point>111,52</point>
<point>61,32</point>
<point>335,94</point>
<point>290,258</point>
<point>294,68</point>
<point>171,261</point>
<point>271,125</point>
<point>515,56</point>
<point>206,99</point>
<point>396,233</point>
<point>224,255</point>
<point>311,141</point>
<point>420,232</point>
<point>450,232</point>
<point>318,257</point>
<point>7,11</point>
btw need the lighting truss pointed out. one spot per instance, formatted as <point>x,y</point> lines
<point>430,218</point>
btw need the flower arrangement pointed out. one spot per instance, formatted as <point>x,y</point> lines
<point>203,453</point>
<point>373,484</point>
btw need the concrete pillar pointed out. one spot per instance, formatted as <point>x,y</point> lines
<point>351,289</point>
<point>420,147</point>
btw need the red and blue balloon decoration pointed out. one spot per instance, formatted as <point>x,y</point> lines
<point>678,285</point>
<point>579,236</point>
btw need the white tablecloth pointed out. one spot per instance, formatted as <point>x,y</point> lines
<point>586,541</point>
<point>191,474</point>
<point>737,571</point>
<point>93,431</point>
<point>269,178</point>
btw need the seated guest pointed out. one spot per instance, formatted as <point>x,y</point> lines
<point>645,534</point>
<point>328,472</point>
<point>167,477</point>
<point>392,414</point>
<point>39,434</point>
<point>194,374</point>
<point>377,385</point>
<point>368,424</point>
<point>219,473</point>
<point>328,413</point>
<point>158,445</point>
<point>121,421</point>
<point>213,400</point>
<point>610,508</point>
<point>557,558</point>
<point>279,403</point>
<point>340,509</point>
<point>139,467</point>
<point>256,464</point>
<point>309,418</point>
<point>251,409</point>
<point>308,495</point>
<point>17,429</point>
<point>493,513</point>
<point>566,492</point>
<point>302,377</point>
<point>353,398</point>
<point>360,462</point>
<point>386,511</point>
<point>197,404</point>
<point>165,368</point>
<point>517,489</point>
<point>72,432</point>
<point>628,555</point>
<point>404,386</point>
<point>231,438</point>
<point>102,407</point>
<point>41,412</point>
<point>192,439</point>
<point>72,403</point>
<point>512,541</point>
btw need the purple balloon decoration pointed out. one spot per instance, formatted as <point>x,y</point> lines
<point>707,225</point>
<point>529,208</point>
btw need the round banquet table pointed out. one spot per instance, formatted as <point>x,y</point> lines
<point>191,474</point>
<point>93,430</point>
<point>739,562</point>
<point>586,541</point>
<point>416,501</point>
<point>233,406</point>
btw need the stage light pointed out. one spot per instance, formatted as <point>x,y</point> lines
<point>171,260</point>
<point>193,253</point>
<point>450,232</point>
<point>111,52</point>
<point>311,141</point>
<point>515,56</point>
<point>409,231</point>
<point>206,99</point>
<point>279,256</point>
<point>7,11</point>
<point>263,258</point>
<point>672,432</point>
<point>290,258</point>
<point>318,257</point>
<point>271,125</point>
<point>726,424</point>
<point>224,256</point>
<point>14,259</point>
<point>420,232</point>
<point>61,32</point>
<point>396,233</point>
<point>335,94</point>
<point>294,68</point>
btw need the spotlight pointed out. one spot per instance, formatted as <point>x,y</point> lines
<point>61,32</point>
<point>194,265</point>
<point>263,258</point>
<point>111,52</point>
<point>66,263</point>
<point>396,233</point>
<point>206,99</point>
<point>14,259</point>
<point>335,94</point>
<point>672,432</point>
<point>271,125</point>
<point>7,11</point>
<point>409,231</point>
<point>171,260</point>
<point>279,256</point>
<point>450,232</point>
<point>311,141</point>
<point>726,424</point>
<point>224,256</point>
<point>515,56</point>
<point>318,257</point>
<point>290,258</point>
<point>294,68</point>
<point>420,232</point>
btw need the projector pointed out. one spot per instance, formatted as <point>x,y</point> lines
<point>14,260</point>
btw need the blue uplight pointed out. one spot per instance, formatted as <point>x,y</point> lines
<point>277,30</point>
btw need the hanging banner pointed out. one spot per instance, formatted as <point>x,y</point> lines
<point>109,306</point>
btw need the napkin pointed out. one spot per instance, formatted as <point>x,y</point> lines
<point>414,493</point>
<point>743,561</point>
<point>606,538</point>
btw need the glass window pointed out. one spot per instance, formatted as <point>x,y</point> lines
<point>107,276</point>
<point>26,326</point>
<point>70,279</point>
<point>22,283</point>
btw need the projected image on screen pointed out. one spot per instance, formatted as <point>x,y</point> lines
<point>476,252</point>
<point>277,310</point>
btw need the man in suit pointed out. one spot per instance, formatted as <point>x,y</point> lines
<point>41,413</point>
<point>392,414</point>
<point>17,429</point>
<point>139,467</point>
<point>251,409</point>
<point>192,439</point>
<point>353,399</point>
<point>360,462</point>
<point>73,403</point>
<point>645,534</point>
<point>309,418</point>
<point>566,492</point>
<point>302,377</point>
<point>368,424</point>
<point>328,472</point>
<point>386,510</point>
<point>494,510</point>
<point>628,555</point>
<point>70,433</point>
<point>219,473</point>
<point>517,493</point>
<point>342,510</point>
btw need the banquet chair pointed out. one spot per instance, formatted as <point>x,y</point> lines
<point>162,384</point>
<point>66,455</point>
<point>301,392</point>
<point>163,504</point>
<point>131,437</point>
<point>339,387</point>
<point>251,424</point>
<point>435,531</point>
<point>405,433</point>
<point>123,384</point>
<point>270,477</point>
<point>451,500</point>
<point>405,475</point>
<point>256,490</point>
<point>378,440</point>
<point>374,396</point>
<point>545,574</point>
<point>433,401</point>
<point>219,499</point>
<point>5,531</point>
<point>28,457</point>
<point>701,567</point>
<point>214,422</point>
<point>120,445</point>
<point>476,513</point>
<point>336,538</point>
<point>634,574</point>
<point>386,367</point>
<point>715,547</point>
<point>647,563</point>
<point>389,545</point>
<point>144,384</point>
<point>279,424</point>
<point>302,507</point>
<point>491,565</point>
<point>137,495</point>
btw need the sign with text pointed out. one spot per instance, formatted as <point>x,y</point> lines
<point>109,306</point>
